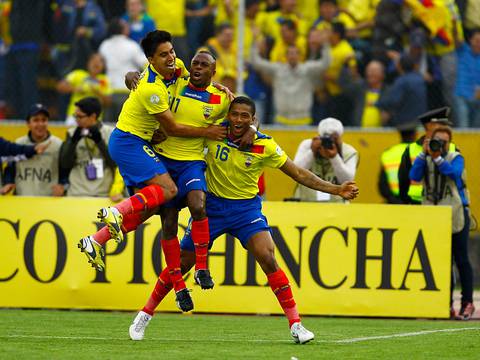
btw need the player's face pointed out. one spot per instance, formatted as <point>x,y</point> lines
<point>202,70</point>
<point>163,60</point>
<point>38,125</point>
<point>240,118</point>
<point>95,64</point>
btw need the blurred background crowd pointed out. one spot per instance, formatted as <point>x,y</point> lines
<point>369,63</point>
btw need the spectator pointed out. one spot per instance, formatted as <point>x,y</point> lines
<point>366,93</point>
<point>411,192</point>
<point>29,28</point>
<point>139,22</point>
<point>390,163</point>
<point>328,157</point>
<point>223,48</point>
<point>170,16</point>
<point>39,175</point>
<point>442,19</point>
<point>79,27</point>
<point>343,59</point>
<point>442,173</point>
<point>467,88</point>
<point>289,37</point>
<point>84,153</point>
<point>472,16</point>
<point>121,55</point>
<point>272,21</point>
<point>111,8</point>
<point>407,98</point>
<point>197,15</point>
<point>329,13</point>
<point>293,83</point>
<point>83,83</point>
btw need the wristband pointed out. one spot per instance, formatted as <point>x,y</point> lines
<point>253,127</point>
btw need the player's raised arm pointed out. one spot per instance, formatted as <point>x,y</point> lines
<point>173,128</point>
<point>348,190</point>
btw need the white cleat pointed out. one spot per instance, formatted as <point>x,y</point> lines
<point>139,324</point>
<point>300,334</point>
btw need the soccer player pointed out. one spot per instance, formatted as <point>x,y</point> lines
<point>233,207</point>
<point>145,110</point>
<point>197,103</point>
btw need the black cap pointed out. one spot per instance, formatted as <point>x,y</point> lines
<point>37,109</point>
<point>90,105</point>
<point>439,115</point>
<point>409,126</point>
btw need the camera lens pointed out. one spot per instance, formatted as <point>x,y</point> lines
<point>435,145</point>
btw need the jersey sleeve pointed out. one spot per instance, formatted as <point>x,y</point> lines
<point>275,157</point>
<point>74,78</point>
<point>154,98</point>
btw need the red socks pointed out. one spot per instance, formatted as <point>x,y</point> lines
<point>201,238</point>
<point>281,288</point>
<point>130,223</point>
<point>149,197</point>
<point>171,251</point>
<point>162,288</point>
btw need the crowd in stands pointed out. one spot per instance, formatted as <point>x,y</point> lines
<point>384,62</point>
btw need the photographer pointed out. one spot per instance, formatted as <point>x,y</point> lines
<point>328,157</point>
<point>84,153</point>
<point>442,173</point>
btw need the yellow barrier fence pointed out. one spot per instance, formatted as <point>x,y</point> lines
<point>366,260</point>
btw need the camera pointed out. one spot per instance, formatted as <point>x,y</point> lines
<point>327,142</point>
<point>436,144</point>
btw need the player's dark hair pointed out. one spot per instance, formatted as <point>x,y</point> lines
<point>339,28</point>
<point>334,2</point>
<point>243,100</point>
<point>208,53</point>
<point>154,38</point>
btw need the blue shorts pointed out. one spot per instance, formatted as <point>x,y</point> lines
<point>135,158</point>
<point>239,218</point>
<point>187,175</point>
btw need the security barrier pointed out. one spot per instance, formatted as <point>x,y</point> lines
<point>366,260</point>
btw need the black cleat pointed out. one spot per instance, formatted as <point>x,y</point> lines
<point>203,278</point>
<point>184,300</point>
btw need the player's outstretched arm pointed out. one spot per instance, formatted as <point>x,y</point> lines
<point>172,128</point>
<point>348,190</point>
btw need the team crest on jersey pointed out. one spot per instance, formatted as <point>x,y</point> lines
<point>154,99</point>
<point>248,160</point>
<point>207,111</point>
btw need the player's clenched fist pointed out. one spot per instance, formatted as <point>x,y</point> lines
<point>348,190</point>
<point>215,132</point>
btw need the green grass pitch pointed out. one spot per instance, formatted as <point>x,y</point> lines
<point>50,334</point>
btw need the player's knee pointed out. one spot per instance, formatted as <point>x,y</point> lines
<point>268,262</point>
<point>197,211</point>
<point>170,191</point>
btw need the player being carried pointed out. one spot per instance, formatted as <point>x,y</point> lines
<point>144,111</point>
<point>234,207</point>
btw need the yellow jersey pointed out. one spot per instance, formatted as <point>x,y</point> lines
<point>371,114</point>
<point>151,97</point>
<point>234,174</point>
<point>168,15</point>
<point>342,54</point>
<point>194,107</point>
<point>272,22</point>
<point>85,86</point>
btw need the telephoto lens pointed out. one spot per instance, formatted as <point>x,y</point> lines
<point>327,142</point>
<point>436,144</point>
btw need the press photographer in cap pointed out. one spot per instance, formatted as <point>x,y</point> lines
<point>442,174</point>
<point>328,157</point>
<point>84,152</point>
<point>411,191</point>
